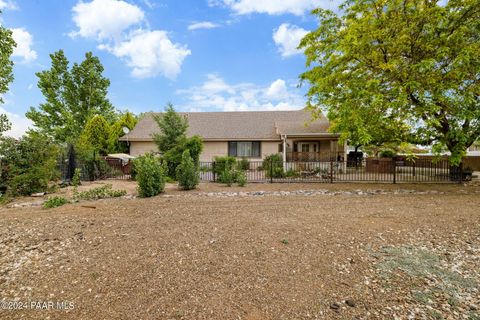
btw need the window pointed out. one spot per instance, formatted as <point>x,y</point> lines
<point>250,149</point>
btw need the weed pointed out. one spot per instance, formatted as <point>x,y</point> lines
<point>54,202</point>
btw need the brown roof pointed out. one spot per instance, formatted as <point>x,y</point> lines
<point>242,125</point>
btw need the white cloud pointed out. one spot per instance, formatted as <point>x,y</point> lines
<point>150,53</point>
<point>24,42</point>
<point>20,124</point>
<point>116,26</point>
<point>203,25</point>
<point>287,38</point>
<point>216,94</point>
<point>8,5</point>
<point>278,89</point>
<point>274,7</point>
<point>105,19</point>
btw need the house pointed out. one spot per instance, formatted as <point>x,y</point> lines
<point>249,134</point>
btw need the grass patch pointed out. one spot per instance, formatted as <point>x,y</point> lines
<point>102,192</point>
<point>54,202</point>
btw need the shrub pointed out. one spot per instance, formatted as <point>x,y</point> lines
<point>150,175</point>
<point>241,178</point>
<point>291,173</point>
<point>102,192</point>
<point>96,168</point>
<point>273,166</point>
<point>76,177</point>
<point>387,154</point>
<point>187,172</point>
<point>228,176</point>
<point>244,164</point>
<point>28,164</point>
<point>223,163</point>
<point>54,202</point>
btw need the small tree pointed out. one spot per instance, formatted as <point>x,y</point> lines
<point>127,120</point>
<point>95,136</point>
<point>187,172</point>
<point>173,129</point>
<point>150,175</point>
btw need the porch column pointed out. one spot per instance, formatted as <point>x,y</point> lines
<point>284,153</point>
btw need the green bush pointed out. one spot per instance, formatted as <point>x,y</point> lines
<point>102,192</point>
<point>150,175</point>
<point>241,178</point>
<point>27,164</point>
<point>228,176</point>
<point>76,177</point>
<point>273,166</point>
<point>291,173</point>
<point>387,154</point>
<point>244,164</point>
<point>54,202</point>
<point>187,172</point>
<point>96,168</point>
<point>223,163</point>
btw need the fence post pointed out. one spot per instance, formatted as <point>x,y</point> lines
<point>331,170</point>
<point>213,171</point>
<point>271,170</point>
<point>394,165</point>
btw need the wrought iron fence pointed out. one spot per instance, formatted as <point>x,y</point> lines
<point>100,169</point>
<point>380,170</point>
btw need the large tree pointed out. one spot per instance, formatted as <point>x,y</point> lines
<point>412,64</point>
<point>6,70</point>
<point>72,97</point>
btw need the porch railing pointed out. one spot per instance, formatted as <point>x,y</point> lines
<point>315,156</point>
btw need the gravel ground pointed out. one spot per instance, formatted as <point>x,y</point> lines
<point>260,252</point>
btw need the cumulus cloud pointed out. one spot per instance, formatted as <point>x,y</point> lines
<point>274,7</point>
<point>8,5</point>
<point>24,42</point>
<point>203,25</point>
<point>151,53</point>
<point>104,19</point>
<point>287,38</point>
<point>117,26</point>
<point>20,124</point>
<point>216,94</point>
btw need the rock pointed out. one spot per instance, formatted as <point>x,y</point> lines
<point>335,306</point>
<point>39,194</point>
<point>350,303</point>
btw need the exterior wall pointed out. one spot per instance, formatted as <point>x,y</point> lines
<point>137,148</point>
<point>212,149</point>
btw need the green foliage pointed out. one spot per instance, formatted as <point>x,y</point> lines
<point>102,192</point>
<point>273,166</point>
<point>28,164</point>
<point>387,153</point>
<point>5,124</point>
<point>72,96</point>
<point>291,173</point>
<point>223,163</point>
<point>95,136</point>
<point>398,70</point>
<point>76,177</point>
<point>6,65</point>
<point>187,172</point>
<point>150,175</point>
<point>173,129</point>
<point>95,167</point>
<point>172,140</point>
<point>241,178</point>
<point>126,120</point>
<point>244,164</point>
<point>228,176</point>
<point>54,202</point>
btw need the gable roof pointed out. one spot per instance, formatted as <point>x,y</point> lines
<point>241,125</point>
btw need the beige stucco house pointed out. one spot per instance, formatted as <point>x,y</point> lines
<point>249,134</point>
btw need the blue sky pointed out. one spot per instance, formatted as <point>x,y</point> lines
<point>201,55</point>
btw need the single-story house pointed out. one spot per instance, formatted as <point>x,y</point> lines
<point>249,134</point>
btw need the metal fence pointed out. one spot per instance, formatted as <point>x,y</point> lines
<point>380,170</point>
<point>100,169</point>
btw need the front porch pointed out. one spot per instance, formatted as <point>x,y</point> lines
<point>312,148</point>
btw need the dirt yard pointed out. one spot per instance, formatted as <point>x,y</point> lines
<point>341,251</point>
